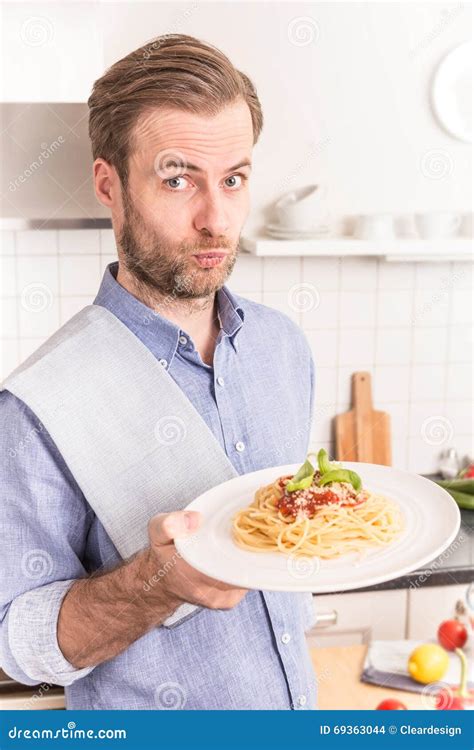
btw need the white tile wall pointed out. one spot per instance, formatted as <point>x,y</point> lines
<point>408,324</point>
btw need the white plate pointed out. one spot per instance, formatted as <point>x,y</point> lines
<point>451,92</point>
<point>296,235</point>
<point>431,516</point>
<point>287,233</point>
<point>293,230</point>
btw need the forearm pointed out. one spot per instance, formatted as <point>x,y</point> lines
<point>102,615</point>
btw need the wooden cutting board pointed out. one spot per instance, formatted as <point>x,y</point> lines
<point>363,434</point>
<point>338,670</point>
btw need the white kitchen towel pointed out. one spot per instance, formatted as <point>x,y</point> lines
<point>133,441</point>
<point>386,663</point>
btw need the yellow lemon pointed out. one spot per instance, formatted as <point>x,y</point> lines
<point>428,663</point>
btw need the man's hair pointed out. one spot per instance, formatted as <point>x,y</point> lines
<point>171,71</point>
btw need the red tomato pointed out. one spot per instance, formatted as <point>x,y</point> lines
<point>390,704</point>
<point>447,700</point>
<point>452,634</point>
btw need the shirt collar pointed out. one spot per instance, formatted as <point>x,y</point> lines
<point>158,333</point>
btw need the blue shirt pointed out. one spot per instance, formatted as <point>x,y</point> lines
<point>257,399</point>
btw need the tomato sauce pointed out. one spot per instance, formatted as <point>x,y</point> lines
<point>311,499</point>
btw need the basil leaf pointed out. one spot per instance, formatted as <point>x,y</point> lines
<point>356,481</point>
<point>303,477</point>
<point>325,464</point>
<point>341,475</point>
<point>292,486</point>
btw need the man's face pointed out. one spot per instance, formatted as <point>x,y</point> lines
<point>187,194</point>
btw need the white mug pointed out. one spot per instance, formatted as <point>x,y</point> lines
<point>375,227</point>
<point>466,225</point>
<point>437,224</point>
<point>303,208</point>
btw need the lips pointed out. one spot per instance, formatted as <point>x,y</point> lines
<point>210,259</point>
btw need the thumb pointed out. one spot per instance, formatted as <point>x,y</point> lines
<point>164,527</point>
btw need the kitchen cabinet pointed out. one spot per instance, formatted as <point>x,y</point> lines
<point>428,607</point>
<point>356,618</point>
<point>52,52</point>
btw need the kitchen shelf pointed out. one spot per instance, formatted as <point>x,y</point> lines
<point>401,249</point>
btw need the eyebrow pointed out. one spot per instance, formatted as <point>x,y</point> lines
<point>194,168</point>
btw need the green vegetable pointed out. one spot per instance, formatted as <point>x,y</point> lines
<point>341,475</point>
<point>330,472</point>
<point>324,463</point>
<point>459,485</point>
<point>303,477</point>
<point>463,499</point>
<point>461,490</point>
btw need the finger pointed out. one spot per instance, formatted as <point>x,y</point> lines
<point>164,527</point>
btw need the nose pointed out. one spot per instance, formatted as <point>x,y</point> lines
<point>212,215</point>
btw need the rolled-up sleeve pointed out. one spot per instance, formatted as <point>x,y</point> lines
<point>44,523</point>
<point>31,629</point>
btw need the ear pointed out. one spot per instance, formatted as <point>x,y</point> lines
<point>106,183</point>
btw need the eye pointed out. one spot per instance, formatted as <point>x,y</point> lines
<point>174,183</point>
<point>178,184</point>
<point>242,177</point>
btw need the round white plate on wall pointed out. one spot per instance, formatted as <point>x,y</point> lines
<point>451,92</point>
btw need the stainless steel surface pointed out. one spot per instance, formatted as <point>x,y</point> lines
<point>47,162</point>
<point>325,619</point>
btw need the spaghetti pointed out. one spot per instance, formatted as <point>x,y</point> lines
<point>319,521</point>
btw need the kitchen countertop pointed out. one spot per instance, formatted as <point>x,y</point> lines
<point>454,565</point>
<point>338,670</point>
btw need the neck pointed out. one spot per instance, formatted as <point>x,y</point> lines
<point>198,317</point>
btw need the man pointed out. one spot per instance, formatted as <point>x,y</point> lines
<point>172,127</point>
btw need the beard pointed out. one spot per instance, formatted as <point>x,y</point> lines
<point>167,268</point>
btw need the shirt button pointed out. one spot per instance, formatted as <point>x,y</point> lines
<point>301,700</point>
<point>163,362</point>
<point>240,446</point>
<point>286,638</point>
<point>220,380</point>
<point>183,340</point>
